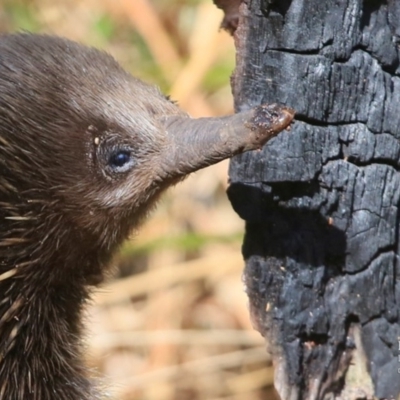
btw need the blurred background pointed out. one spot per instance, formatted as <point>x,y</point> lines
<point>172,322</point>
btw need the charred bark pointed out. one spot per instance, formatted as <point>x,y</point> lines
<point>321,202</point>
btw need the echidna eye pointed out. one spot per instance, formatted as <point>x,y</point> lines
<point>120,160</point>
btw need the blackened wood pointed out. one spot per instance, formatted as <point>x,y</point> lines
<point>321,201</point>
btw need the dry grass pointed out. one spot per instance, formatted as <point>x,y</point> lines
<point>173,323</point>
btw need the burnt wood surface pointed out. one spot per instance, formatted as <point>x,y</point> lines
<point>321,202</point>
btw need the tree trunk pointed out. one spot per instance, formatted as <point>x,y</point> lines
<point>321,201</point>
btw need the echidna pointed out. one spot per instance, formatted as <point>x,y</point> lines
<point>85,150</point>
